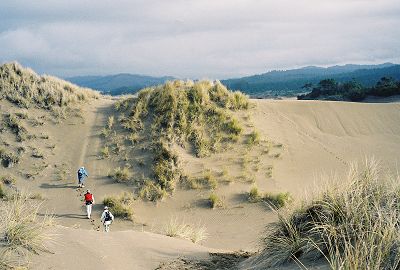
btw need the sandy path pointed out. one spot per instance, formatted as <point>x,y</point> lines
<point>77,144</point>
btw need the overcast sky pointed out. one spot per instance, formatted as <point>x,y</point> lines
<point>196,38</point>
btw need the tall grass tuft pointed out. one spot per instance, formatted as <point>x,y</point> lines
<point>21,231</point>
<point>352,225</point>
<point>120,205</point>
<point>175,228</point>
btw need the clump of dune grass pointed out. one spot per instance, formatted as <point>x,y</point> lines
<point>151,191</point>
<point>207,181</point>
<point>215,201</point>
<point>8,159</point>
<point>105,152</point>
<point>277,200</point>
<point>22,231</point>
<point>3,193</point>
<point>353,224</point>
<point>175,228</point>
<point>8,180</point>
<point>253,138</point>
<point>37,196</point>
<point>23,87</point>
<point>121,175</point>
<point>166,168</point>
<point>254,195</point>
<point>110,122</point>
<point>14,123</point>
<point>120,205</point>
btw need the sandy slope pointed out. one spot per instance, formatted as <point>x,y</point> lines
<point>85,249</point>
<point>325,137</point>
<point>317,137</point>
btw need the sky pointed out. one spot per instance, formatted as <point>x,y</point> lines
<point>213,39</point>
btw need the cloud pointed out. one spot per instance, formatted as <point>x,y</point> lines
<point>196,38</point>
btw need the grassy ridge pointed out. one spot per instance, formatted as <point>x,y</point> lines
<point>23,87</point>
<point>194,115</point>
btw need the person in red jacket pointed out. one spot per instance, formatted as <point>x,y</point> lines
<point>89,201</point>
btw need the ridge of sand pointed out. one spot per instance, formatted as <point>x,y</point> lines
<point>86,249</point>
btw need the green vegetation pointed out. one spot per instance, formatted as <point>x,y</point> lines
<point>215,201</point>
<point>105,152</point>
<point>208,181</point>
<point>275,200</point>
<point>120,206</point>
<point>198,116</point>
<point>151,191</point>
<point>253,138</point>
<point>353,225</point>
<point>25,88</point>
<point>254,195</point>
<point>121,175</point>
<point>329,89</point>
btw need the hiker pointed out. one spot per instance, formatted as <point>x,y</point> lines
<point>81,176</point>
<point>107,218</point>
<point>89,201</point>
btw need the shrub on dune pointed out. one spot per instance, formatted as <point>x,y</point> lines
<point>354,225</point>
<point>215,201</point>
<point>121,205</point>
<point>121,175</point>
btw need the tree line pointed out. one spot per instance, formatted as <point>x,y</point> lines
<point>329,89</point>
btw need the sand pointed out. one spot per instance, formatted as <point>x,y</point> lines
<point>313,139</point>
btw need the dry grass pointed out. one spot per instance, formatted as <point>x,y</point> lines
<point>174,228</point>
<point>121,205</point>
<point>25,88</point>
<point>254,195</point>
<point>105,152</point>
<point>215,201</point>
<point>3,194</point>
<point>121,175</point>
<point>253,138</point>
<point>195,114</point>
<point>151,191</point>
<point>353,225</point>
<point>207,181</point>
<point>8,159</point>
<point>8,180</point>
<point>22,232</point>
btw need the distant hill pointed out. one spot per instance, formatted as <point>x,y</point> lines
<point>290,82</point>
<point>118,84</point>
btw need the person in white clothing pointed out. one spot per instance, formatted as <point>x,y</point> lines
<point>107,218</point>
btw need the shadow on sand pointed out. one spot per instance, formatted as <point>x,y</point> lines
<point>75,216</point>
<point>67,185</point>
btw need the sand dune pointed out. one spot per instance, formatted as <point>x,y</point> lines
<point>86,249</point>
<point>318,137</point>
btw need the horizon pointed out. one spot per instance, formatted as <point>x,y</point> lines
<point>208,39</point>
